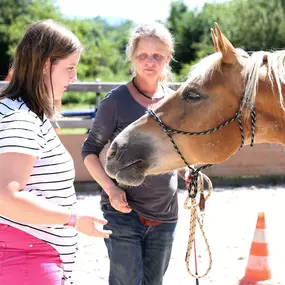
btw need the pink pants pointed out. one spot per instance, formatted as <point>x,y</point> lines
<point>27,260</point>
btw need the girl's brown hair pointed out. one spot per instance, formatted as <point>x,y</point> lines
<point>44,40</point>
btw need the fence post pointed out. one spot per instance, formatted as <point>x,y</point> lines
<point>98,98</point>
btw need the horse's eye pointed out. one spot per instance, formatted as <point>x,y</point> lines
<point>191,96</point>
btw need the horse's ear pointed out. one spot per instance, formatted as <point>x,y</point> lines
<point>215,41</point>
<point>222,44</point>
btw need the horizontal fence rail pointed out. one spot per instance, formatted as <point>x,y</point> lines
<point>85,122</point>
<point>97,86</point>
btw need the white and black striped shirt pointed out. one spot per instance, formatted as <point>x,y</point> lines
<point>52,176</point>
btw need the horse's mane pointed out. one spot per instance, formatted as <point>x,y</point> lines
<point>275,73</point>
<point>274,61</point>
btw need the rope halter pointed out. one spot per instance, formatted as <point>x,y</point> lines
<point>192,189</point>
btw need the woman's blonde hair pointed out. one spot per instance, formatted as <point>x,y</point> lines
<point>156,30</point>
<point>44,40</point>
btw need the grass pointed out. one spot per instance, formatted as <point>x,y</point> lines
<point>72,131</point>
<point>76,107</point>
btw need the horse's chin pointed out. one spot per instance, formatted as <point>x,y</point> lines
<point>130,175</point>
<point>125,178</point>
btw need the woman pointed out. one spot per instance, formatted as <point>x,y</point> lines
<point>143,219</point>
<point>38,220</point>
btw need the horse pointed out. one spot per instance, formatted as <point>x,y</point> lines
<point>230,99</point>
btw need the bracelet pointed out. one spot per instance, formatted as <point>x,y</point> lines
<point>72,221</point>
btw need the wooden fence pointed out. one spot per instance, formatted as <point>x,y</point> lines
<point>259,160</point>
<point>96,87</point>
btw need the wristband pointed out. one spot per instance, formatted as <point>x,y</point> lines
<point>72,221</point>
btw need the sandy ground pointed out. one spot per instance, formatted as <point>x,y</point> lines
<point>230,220</point>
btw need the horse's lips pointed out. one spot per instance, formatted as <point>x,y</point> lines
<point>130,172</point>
<point>129,165</point>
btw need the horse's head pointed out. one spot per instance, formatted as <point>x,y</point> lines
<point>211,95</point>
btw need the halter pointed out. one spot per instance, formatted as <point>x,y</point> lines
<point>193,186</point>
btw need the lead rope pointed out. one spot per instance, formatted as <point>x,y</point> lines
<point>193,185</point>
<point>197,215</point>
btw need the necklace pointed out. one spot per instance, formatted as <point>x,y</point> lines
<point>148,97</point>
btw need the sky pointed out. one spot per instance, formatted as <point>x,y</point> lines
<point>135,10</point>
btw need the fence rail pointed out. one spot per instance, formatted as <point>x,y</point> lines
<point>96,86</point>
<point>76,121</point>
<point>265,160</point>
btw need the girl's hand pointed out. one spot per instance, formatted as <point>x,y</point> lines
<point>87,225</point>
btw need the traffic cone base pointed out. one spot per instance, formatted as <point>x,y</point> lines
<point>245,281</point>
<point>258,271</point>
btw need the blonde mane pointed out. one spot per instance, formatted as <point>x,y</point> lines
<point>274,61</point>
<point>275,73</point>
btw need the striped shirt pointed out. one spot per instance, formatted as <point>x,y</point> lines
<point>51,179</point>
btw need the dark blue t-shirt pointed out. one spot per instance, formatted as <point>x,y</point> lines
<point>156,198</point>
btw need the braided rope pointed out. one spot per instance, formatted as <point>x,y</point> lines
<point>241,131</point>
<point>177,132</point>
<point>197,215</point>
<point>253,121</point>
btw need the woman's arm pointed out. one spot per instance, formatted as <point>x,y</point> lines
<point>95,168</point>
<point>25,207</point>
<point>103,128</point>
<point>22,206</point>
<point>116,195</point>
<point>18,153</point>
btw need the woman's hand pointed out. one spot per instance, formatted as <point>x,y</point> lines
<point>118,200</point>
<point>87,225</point>
<point>116,195</point>
<point>188,178</point>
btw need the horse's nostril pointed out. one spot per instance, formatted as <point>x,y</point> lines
<point>111,152</point>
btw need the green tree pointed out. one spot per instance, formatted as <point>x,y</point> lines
<point>104,47</point>
<point>191,30</point>
<point>249,24</point>
<point>15,16</point>
<point>186,30</point>
<point>258,24</point>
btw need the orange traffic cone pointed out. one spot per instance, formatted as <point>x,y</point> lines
<point>258,265</point>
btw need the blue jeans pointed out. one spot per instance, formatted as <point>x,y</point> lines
<point>139,254</point>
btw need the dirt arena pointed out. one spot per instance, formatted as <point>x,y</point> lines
<point>230,220</point>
